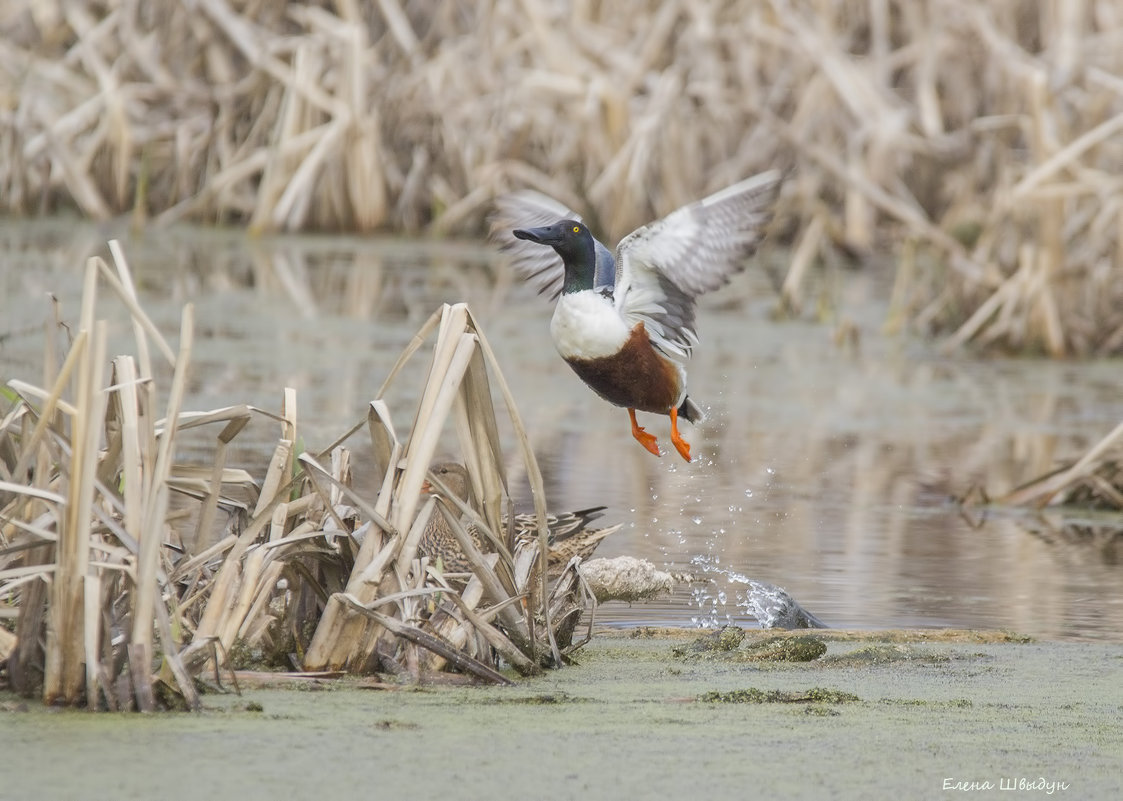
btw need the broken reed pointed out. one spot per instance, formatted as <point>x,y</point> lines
<point>112,609</point>
<point>1092,482</point>
<point>978,143</point>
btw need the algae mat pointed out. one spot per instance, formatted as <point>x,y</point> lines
<point>645,715</point>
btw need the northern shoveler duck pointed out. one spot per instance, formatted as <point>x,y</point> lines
<point>626,324</point>
<point>569,534</point>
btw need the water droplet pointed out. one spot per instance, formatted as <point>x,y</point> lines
<point>749,493</point>
<point>697,520</point>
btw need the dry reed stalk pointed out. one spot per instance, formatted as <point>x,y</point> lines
<point>497,639</point>
<point>151,540</point>
<point>89,570</point>
<point>495,588</point>
<point>458,378</point>
<point>80,585</point>
<point>453,655</point>
<point>66,638</point>
<point>1041,491</point>
<point>451,627</point>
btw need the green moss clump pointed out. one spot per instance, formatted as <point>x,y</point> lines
<point>725,640</point>
<point>821,711</point>
<point>729,638</point>
<point>752,695</point>
<point>825,696</point>
<point>786,649</point>
<point>728,643</point>
<point>884,655</point>
<point>243,656</point>
<point>543,699</point>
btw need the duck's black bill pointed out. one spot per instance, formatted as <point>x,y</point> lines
<point>539,235</point>
<point>552,235</point>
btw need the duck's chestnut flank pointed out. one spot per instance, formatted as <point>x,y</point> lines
<point>636,376</point>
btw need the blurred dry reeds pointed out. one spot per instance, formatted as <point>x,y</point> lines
<point>295,568</point>
<point>978,144</point>
<point>1079,504</point>
<point>1092,482</point>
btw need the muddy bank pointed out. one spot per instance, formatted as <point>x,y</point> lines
<point>645,714</point>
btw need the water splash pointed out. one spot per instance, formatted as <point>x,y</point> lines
<point>710,615</point>
<point>769,605</point>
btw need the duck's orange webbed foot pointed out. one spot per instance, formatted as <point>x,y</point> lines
<point>681,445</point>
<point>646,440</point>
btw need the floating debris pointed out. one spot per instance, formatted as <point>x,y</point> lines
<point>625,578</point>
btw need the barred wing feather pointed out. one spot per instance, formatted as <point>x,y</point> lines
<point>662,267</point>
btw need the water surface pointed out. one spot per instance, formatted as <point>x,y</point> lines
<point>827,464</point>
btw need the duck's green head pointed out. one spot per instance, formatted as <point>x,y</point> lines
<point>573,242</point>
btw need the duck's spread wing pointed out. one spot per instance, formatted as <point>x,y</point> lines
<point>662,267</point>
<point>540,266</point>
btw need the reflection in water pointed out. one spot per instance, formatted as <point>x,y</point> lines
<point>825,470</point>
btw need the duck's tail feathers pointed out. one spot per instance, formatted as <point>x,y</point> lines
<point>689,410</point>
<point>564,526</point>
<point>561,526</point>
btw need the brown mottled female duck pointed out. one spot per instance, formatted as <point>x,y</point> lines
<point>569,532</point>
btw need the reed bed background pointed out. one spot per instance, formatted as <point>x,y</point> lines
<point>113,609</point>
<point>975,144</point>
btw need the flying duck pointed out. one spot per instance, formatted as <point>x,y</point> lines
<point>626,324</point>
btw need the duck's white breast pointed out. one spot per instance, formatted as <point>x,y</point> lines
<point>586,325</point>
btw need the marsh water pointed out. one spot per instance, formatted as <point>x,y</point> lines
<point>833,449</point>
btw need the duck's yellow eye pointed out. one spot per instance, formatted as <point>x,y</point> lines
<point>577,229</point>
